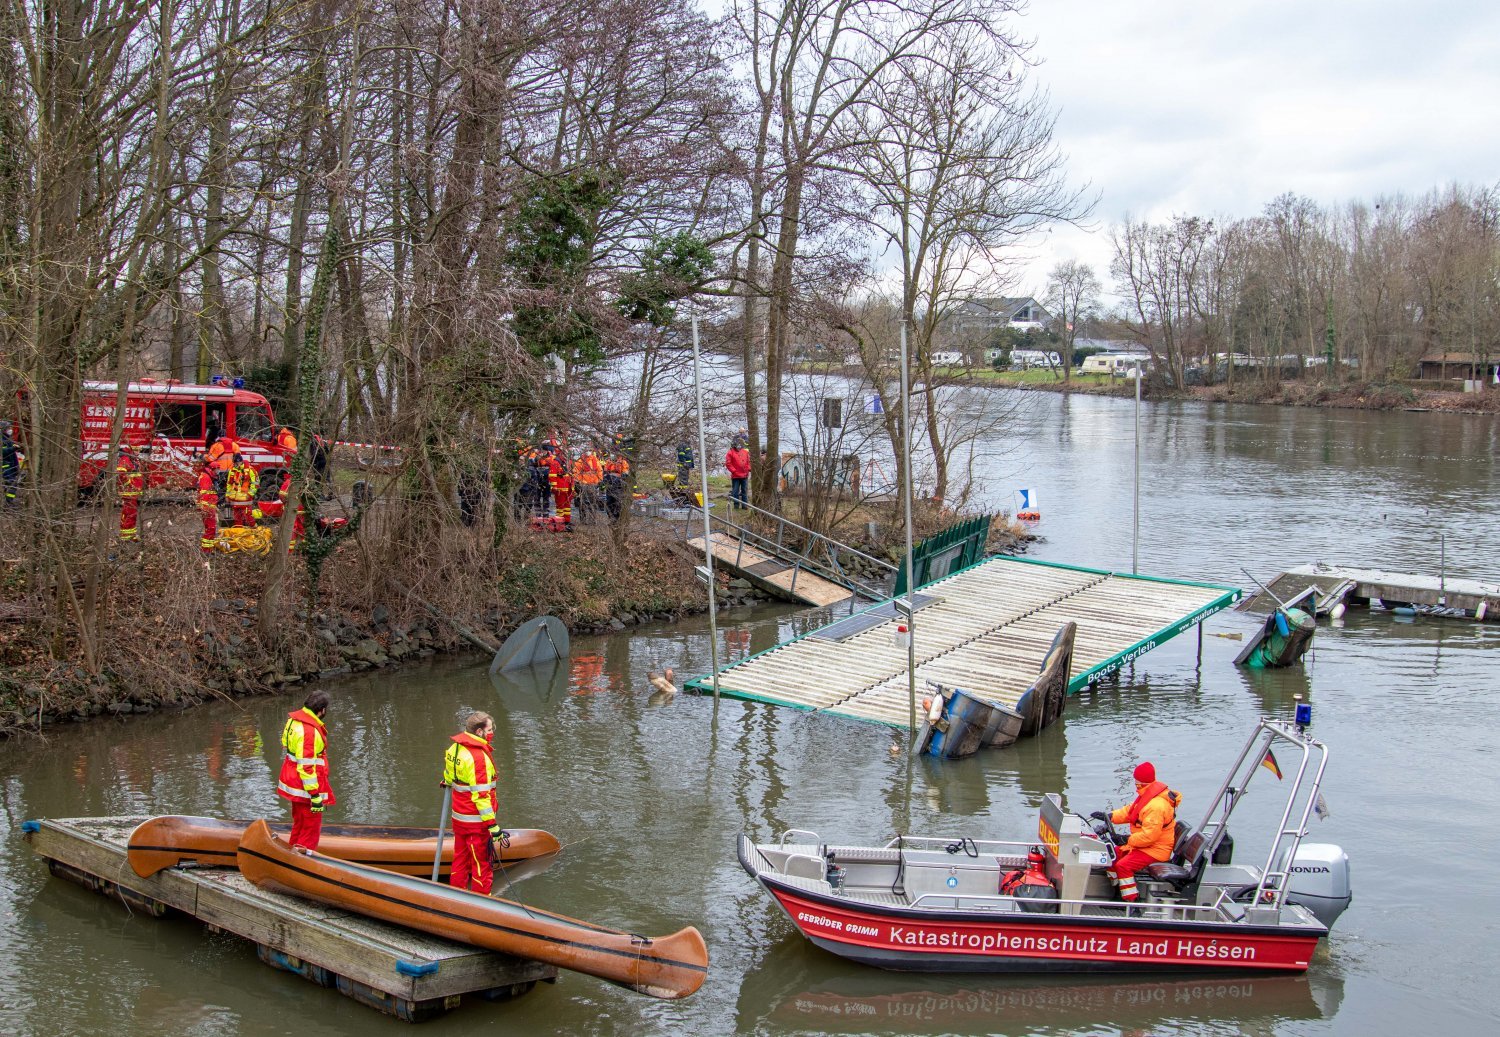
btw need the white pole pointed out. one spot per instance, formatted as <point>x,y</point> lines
<point>708,543</point>
<point>911,573</point>
<point>1135,533</point>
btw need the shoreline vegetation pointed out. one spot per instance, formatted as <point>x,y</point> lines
<point>182,632</point>
<point>1310,392</point>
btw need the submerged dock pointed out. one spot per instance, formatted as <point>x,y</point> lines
<point>985,629</point>
<point>399,971</point>
<point>1331,585</point>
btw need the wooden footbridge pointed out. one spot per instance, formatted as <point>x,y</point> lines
<point>985,629</point>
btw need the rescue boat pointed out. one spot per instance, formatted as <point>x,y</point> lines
<point>930,904</point>
<point>174,840</point>
<point>668,967</point>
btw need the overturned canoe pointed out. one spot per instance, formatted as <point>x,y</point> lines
<point>174,839</point>
<point>667,967</point>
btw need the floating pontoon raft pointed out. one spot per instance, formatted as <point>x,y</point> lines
<point>985,629</point>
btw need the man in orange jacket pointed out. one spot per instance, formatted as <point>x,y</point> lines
<point>469,771</point>
<point>1153,830</point>
<point>588,473</point>
<point>304,769</point>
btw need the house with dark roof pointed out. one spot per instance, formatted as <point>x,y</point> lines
<point>986,314</point>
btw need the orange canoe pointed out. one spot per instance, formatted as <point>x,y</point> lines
<point>165,842</point>
<point>667,966</point>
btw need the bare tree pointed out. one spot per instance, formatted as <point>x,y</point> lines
<point>1072,294</point>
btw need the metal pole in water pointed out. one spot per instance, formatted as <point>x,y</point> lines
<point>708,543</point>
<point>911,574</point>
<point>442,831</point>
<point>1442,568</point>
<point>1135,530</point>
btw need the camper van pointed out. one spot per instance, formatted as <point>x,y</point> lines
<point>1120,365</point>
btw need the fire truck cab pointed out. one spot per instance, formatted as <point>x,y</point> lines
<point>176,421</point>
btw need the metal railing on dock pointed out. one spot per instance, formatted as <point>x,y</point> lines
<point>776,542</point>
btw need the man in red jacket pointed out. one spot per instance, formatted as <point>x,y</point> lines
<point>738,463</point>
<point>469,770</point>
<point>304,769</point>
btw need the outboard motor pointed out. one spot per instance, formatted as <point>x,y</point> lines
<point>1319,881</point>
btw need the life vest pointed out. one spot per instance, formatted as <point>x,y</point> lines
<point>304,764</point>
<point>469,770</point>
<point>221,454</point>
<point>587,469</point>
<point>242,484</point>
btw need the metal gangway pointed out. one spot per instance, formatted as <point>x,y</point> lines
<point>812,573</point>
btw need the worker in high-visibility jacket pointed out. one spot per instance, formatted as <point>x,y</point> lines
<point>286,439</point>
<point>616,471</point>
<point>588,473</point>
<point>304,769</point>
<point>130,481</point>
<point>469,772</point>
<point>560,481</point>
<point>220,454</point>
<point>1152,818</point>
<point>240,489</point>
<point>208,507</point>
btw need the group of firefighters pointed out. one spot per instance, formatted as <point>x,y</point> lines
<point>468,774</point>
<point>552,482</point>
<point>224,475</point>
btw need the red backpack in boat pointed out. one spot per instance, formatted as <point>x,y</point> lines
<point>1031,887</point>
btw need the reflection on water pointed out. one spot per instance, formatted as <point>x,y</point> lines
<point>817,996</point>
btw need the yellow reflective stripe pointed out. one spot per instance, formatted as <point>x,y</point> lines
<point>474,818</point>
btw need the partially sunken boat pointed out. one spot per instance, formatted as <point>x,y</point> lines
<point>175,839</point>
<point>959,723</point>
<point>667,966</point>
<point>1283,640</point>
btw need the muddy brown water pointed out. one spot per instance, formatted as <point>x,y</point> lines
<point>649,798</point>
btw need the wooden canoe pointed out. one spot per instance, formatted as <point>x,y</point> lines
<point>667,967</point>
<point>171,840</point>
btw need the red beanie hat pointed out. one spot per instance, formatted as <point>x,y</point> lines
<point>1145,773</point>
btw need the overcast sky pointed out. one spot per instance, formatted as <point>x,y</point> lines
<point>1213,109</point>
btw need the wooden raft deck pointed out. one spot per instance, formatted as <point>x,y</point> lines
<point>986,630</point>
<point>773,575</point>
<point>1392,588</point>
<point>399,971</point>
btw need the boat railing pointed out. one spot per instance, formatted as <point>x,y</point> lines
<point>787,835</point>
<point>1151,910</point>
<point>960,845</point>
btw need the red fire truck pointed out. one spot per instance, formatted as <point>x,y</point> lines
<point>174,420</point>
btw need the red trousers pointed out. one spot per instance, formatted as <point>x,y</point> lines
<point>307,827</point>
<point>210,527</point>
<point>242,512</point>
<point>563,500</point>
<point>1124,869</point>
<point>130,508</point>
<point>471,861</point>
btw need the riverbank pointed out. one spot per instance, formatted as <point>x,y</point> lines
<point>176,630</point>
<point>1312,392</point>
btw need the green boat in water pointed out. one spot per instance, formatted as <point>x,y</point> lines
<point>1282,640</point>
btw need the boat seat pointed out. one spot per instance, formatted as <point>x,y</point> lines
<point>1186,862</point>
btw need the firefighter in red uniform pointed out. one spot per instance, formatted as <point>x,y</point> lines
<point>130,480</point>
<point>560,480</point>
<point>304,769</point>
<point>208,506</point>
<point>469,770</point>
<point>1153,830</point>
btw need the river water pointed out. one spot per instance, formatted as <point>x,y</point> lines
<point>648,798</point>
